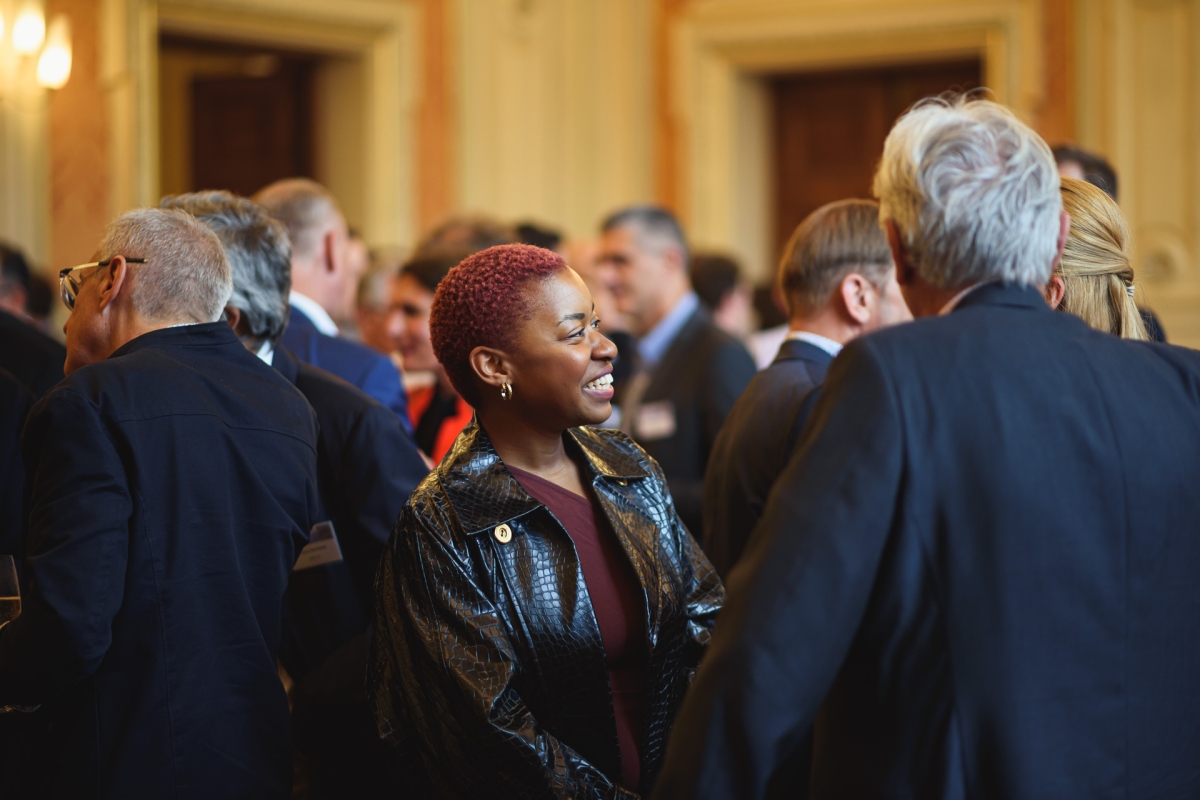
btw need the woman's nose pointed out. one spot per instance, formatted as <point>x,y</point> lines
<point>604,349</point>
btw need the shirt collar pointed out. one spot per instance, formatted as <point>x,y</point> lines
<point>652,346</point>
<point>267,353</point>
<point>816,340</point>
<point>318,316</point>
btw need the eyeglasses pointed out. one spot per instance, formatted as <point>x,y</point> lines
<point>68,283</point>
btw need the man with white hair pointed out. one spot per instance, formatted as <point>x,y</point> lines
<point>171,482</point>
<point>322,280</point>
<point>979,576</point>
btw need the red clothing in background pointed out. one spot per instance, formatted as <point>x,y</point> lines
<point>618,603</point>
<point>419,400</point>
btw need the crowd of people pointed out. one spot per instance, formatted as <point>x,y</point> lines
<point>522,517</point>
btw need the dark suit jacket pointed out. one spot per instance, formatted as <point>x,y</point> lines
<point>15,401</point>
<point>754,446</point>
<point>367,465</point>
<point>31,356</point>
<point>980,575</point>
<point>699,377</point>
<point>169,489</point>
<point>354,363</point>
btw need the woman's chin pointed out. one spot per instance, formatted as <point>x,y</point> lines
<point>596,412</point>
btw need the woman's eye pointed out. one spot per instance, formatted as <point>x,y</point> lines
<point>596,324</point>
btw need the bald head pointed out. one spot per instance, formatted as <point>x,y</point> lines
<point>306,209</point>
<point>319,238</point>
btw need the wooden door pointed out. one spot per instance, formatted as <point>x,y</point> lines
<point>249,131</point>
<point>830,128</point>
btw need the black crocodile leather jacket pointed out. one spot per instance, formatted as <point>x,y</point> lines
<point>487,656</point>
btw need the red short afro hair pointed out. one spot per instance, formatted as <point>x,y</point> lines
<point>479,302</point>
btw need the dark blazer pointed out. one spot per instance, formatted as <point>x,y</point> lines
<point>169,489</point>
<point>15,402</point>
<point>488,657</point>
<point>754,446</point>
<point>367,465</point>
<point>979,576</point>
<point>700,376</point>
<point>31,356</point>
<point>354,363</point>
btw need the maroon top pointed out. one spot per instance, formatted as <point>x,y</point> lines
<point>618,604</point>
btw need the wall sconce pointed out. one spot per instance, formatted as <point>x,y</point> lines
<point>54,64</point>
<point>29,29</point>
<point>31,39</point>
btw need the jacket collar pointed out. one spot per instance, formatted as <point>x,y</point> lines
<point>484,493</point>
<point>203,334</point>
<point>999,293</point>
<point>800,350</point>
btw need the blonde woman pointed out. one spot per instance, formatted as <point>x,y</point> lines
<point>1094,280</point>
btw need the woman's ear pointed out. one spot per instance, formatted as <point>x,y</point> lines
<point>490,366</point>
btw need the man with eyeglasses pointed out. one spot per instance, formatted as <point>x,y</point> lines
<point>171,483</point>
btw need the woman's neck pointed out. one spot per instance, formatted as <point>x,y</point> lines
<point>532,449</point>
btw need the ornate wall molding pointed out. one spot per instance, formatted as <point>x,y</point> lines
<point>384,34</point>
<point>721,49</point>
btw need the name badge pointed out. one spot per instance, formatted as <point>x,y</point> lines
<point>655,421</point>
<point>322,548</point>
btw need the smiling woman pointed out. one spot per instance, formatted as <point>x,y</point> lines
<point>540,605</point>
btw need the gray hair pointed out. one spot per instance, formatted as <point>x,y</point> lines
<point>259,255</point>
<point>651,222</point>
<point>186,275</point>
<point>973,192</point>
<point>306,209</point>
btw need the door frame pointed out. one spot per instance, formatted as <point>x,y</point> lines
<point>723,50</point>
<point>384,35</point>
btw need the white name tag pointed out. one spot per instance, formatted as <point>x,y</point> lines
<point>322,548</point>
<point>655,421</point>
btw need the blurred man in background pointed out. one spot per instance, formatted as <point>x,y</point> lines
<point>839,282</point>
<point>718,282</point>
<point>172,481</point>
<point>687,372</point>
<point>321,271</point>
<point>33,358</point>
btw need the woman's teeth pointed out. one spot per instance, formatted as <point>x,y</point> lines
<point>601,383</point>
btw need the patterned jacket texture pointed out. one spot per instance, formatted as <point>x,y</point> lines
<point>487,658</point>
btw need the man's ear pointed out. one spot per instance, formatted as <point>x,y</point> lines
<point>1064,231</point>
<point>115,281</point>
<point>233,316</point>
<point>329,259</point>
<point>905,272</point>
<point>1056,290</point>
<point>490,366</point>
<point>858,297</point>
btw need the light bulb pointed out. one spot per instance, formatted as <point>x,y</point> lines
<point>29,29</point>
<point>54,65</point>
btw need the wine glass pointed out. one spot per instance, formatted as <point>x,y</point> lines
<point>10,608</point>
<point>10,591</point>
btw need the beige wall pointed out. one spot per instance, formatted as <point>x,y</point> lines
<point>553,108</point>
<point>560,110</point>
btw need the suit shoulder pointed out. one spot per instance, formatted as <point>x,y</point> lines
<point>326,391</point>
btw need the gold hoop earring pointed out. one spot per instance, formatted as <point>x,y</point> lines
<point>506,391</point>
